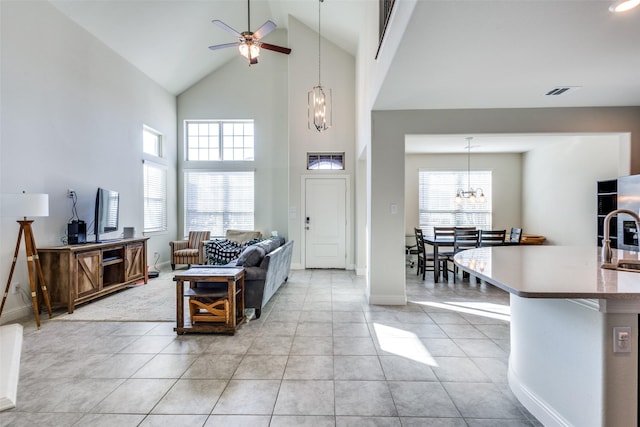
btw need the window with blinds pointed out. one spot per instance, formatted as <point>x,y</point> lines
<point>155,197</point>
<point>216,201</point>
<point>437,205</point>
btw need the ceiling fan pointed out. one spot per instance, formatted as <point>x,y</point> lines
<point>249,42</point>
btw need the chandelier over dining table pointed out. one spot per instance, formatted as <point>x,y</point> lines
<point>474,195</point>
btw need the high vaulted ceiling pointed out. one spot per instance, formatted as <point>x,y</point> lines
<point>454,54</point>
<point>509,54</point>
<point>168,39</point>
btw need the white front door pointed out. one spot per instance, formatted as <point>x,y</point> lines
<point>325,222</point>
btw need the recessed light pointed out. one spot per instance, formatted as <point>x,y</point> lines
<point>623,5</point>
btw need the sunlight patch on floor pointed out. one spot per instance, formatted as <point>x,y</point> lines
<point>484,309</point>
<point>403,343</point>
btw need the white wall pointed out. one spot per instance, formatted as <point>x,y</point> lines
<point>386,153</point>
<point>372,64</point>
<point>258,92</point>
<point>559,187</point>
<point>506,184</point>
<point>546,191</point>
<point>72,116</point>
<point>338,73</point>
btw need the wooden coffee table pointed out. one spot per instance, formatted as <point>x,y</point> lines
<point>233,292</point>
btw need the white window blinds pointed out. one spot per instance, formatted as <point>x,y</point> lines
<point>216,201</point>
<point>437,205</point>
<point>155,197</point>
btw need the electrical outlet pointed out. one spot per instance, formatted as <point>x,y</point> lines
<point>622,339</point>
<point>71,193</point>
<point>156,254</point>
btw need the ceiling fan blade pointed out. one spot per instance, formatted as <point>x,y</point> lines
<point>266,28</point>
<point>222,46</point>
<point>275,48</point>
<point>225,27</point>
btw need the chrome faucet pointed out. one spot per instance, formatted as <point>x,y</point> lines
<point>606,241</point>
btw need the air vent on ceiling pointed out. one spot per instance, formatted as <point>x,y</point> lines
<point>562,89</point>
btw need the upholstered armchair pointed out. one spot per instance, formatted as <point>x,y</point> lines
<point>189,251</point>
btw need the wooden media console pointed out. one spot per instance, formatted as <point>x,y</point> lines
<point>79,273</point>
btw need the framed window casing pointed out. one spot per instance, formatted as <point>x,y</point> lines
<point>154,172</point>
<point>219,140</point>
<point>436,199</point>
<point>151,142</point>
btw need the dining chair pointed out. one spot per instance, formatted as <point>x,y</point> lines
<point>492,237</point>
<point>444,233</point>
<point>409,251</point>
<point>515,236</point>
<point>463,238</point>
<point>420,252</point>
<point>426,260</point>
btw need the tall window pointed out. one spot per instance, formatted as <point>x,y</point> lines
<point>155,182</point>
<point>155,197</point>
<point>214,140</point>
<point>151,142</point>
<point>437,205</point>
<point>216,201</point>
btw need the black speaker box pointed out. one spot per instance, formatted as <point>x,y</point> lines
<point>77,232</point>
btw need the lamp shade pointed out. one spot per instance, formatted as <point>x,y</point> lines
<point>25,205</point>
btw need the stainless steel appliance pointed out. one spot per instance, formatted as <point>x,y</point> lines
<point>628,198</point>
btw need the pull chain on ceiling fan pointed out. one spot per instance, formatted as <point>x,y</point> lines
<point>249,43</point>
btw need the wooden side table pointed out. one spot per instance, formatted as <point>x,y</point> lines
<point>234,294</point>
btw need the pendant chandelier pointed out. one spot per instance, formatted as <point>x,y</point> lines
<point>476,195</point>
<point>319,108</point>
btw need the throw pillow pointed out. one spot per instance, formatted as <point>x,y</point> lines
<point>251,256</point>
<point>270,245</point>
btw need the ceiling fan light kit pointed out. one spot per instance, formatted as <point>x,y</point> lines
<point>249,51</point>
<point>249,43</point>
<point>320,106</point>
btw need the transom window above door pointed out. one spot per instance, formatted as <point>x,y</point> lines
<point>325,161</point>
<point>219,140</point>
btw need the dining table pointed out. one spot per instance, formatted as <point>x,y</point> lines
<point>436,244</point>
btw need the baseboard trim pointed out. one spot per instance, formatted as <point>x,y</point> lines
<point>19,313</point>
<point>546,414</point>
<point>10,350</point>
<point>388,299</point>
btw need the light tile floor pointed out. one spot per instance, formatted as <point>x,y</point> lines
<point>318,356</point>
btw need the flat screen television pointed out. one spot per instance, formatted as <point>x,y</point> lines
<point>107,212</point>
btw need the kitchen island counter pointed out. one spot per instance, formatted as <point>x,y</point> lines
<point>564,308</point>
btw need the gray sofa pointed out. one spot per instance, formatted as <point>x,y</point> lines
<point>266,264</point>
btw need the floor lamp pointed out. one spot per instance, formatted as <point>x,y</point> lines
<point>27,205</point>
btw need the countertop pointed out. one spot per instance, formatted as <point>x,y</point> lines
<point>552,271</point>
